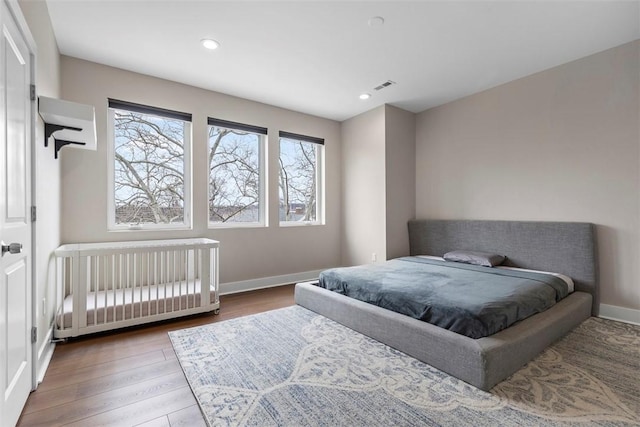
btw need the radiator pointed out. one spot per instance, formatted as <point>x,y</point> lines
<point>104,286</point>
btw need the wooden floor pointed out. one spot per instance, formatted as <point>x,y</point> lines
<point>131,378</point>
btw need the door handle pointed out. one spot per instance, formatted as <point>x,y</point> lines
<point>12,248</point>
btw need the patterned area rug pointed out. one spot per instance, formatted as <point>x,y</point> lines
<point>293,367</point>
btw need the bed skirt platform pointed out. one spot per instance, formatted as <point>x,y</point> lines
<point>105,286</point>
<point>481,362</point>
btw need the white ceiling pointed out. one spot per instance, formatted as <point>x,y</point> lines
<point>318,56</point>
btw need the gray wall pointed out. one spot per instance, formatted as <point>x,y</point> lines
<point>400,149</point>
<point>378,187</point>
<point>560,145</point>
<point>46,178</point>
<point>245,253</point>
<point>363,187</point>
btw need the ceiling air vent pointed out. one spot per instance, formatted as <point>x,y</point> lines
<point>385,84</point>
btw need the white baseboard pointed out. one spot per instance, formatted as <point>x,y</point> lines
<point>45,352</point>
<point>621,314</point>
<point>267,282</point>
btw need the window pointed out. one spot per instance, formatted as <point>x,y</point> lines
<point>236,174</point>
<point>300,179</point>
<point>150,160</point>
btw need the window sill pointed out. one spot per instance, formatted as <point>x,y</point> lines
<point>176,227</point>
<point>299,223</point>
<point>235,225</point>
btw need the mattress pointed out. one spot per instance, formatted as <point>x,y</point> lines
<point>466,299</point>
<point>120,304</point>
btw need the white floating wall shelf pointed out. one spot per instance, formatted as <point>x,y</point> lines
<point>72,123</point>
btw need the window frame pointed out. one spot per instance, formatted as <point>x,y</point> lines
<point>263,202</point>
<point>187,223</point>
<point>320,182</point>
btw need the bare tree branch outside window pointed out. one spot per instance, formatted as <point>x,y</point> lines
<point>234,175</point>
<point>149,168</point>
<point>297,180</point>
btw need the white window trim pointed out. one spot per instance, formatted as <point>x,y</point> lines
<point>230,225</point>
<point>111,206</point>
<point>263,221</point>
<point>320,193</point>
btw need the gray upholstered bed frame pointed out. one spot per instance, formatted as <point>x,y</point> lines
<point>568,248</point>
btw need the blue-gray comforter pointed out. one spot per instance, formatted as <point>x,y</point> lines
<point>466,299</point>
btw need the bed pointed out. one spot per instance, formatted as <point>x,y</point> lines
<point>116,305</point>
<point>562,247</point>
<point>105,286</point>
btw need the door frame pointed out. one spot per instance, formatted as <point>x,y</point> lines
<point>21,22</point>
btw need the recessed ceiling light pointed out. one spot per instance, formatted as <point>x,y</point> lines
<point>210,43</point>
<point>364,96</point>
<point>376,21</point>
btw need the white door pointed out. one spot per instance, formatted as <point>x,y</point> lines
<point>15,225</point>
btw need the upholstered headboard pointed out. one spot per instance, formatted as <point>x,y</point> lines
<point>563,247</point>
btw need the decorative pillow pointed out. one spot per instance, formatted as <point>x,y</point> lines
<point>476,258</point>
